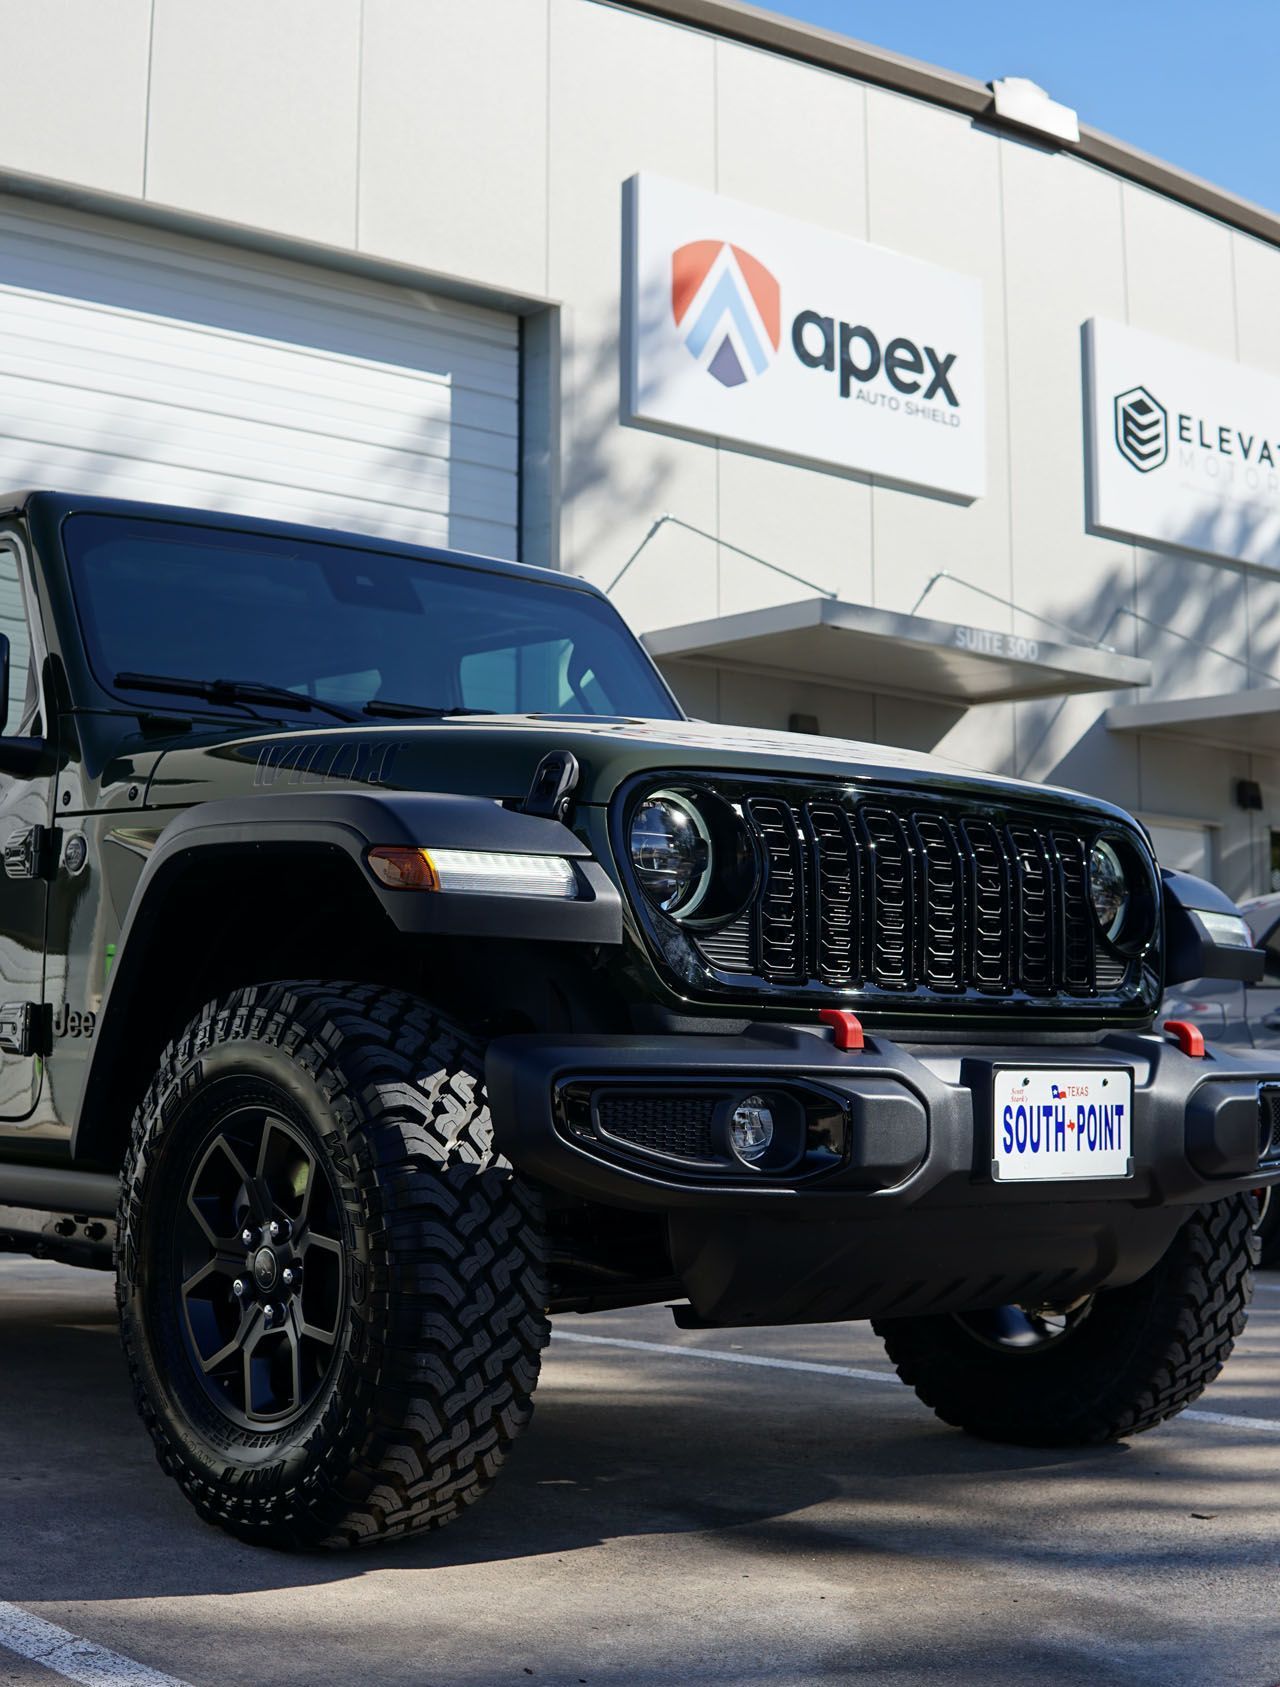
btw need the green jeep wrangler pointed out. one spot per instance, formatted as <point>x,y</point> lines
<point>387,963</point>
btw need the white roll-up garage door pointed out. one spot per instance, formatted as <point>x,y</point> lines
<point>145,365</point>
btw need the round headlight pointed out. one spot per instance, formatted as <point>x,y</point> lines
<point>1108,889</point>
<point>671,853</point>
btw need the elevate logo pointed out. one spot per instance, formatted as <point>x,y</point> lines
<point>1142,429</point>
<point>731,305</point>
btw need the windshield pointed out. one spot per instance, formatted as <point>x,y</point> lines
<point>344,626</point>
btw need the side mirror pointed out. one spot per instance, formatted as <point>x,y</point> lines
<point>1205,936</point>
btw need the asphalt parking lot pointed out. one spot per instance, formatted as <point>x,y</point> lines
<point>680,1512</point>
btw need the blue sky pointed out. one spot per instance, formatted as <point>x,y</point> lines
<point>1197,84</point>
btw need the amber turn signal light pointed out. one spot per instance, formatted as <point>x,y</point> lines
<point>404,869</point>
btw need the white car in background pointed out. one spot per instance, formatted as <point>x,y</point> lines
<point>1245,1017</point>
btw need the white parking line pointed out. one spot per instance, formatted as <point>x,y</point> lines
<point>1233,1420</point>
<point>720,1355</point>
<point>69,1656</point>
<point>723,1357</point>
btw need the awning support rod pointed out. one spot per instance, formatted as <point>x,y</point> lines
<point>1047,620</point>
<point>930,583</point>
<point>1121,609</point>
<point>1163,627</point>
<point>724,544</point>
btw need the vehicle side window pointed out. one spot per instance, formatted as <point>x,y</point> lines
<point>13,623</point>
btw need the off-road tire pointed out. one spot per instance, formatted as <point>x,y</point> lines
<point>443,1319</point>
<point>1141,1355</point>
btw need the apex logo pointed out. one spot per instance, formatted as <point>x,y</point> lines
<point>728,308</point>
<point>1142,429</point>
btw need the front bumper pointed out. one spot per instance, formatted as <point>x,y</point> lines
<point>897,1212</point>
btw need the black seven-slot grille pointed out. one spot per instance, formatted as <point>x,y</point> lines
<point>904,897</point>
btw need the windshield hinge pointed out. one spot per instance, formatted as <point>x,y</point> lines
<point>31,852</point>
<point>19,1028</point>
<point>551,789</point>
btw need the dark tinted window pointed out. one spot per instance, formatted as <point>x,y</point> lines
<point>347,625</point>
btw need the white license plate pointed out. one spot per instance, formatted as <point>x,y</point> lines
<point>1058,1124</point>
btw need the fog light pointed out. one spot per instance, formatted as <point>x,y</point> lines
<point>751,1129</point>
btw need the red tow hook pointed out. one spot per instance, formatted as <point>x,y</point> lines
<point>846,1028</point>
<point>1189,1037</point>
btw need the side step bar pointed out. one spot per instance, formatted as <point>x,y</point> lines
<point>59,1189</point>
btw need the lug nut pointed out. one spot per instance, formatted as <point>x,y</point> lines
<point>274,1228</point>
<point>287,1275</point>
<point>246,1236</point>
<point>238,1285</point>
<point>269,1316</point>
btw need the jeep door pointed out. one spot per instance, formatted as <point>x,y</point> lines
<point>26,819</point>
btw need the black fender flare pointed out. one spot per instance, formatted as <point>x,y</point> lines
<point>350,823</point>
<point>353,822</point>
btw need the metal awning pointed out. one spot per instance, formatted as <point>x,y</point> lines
<point>864,649</point>
<point>1240,720</point>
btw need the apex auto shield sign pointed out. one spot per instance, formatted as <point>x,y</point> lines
<point>1184,448</point>
<point>745,326</point>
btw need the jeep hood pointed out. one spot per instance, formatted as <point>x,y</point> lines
<point>496,755</point>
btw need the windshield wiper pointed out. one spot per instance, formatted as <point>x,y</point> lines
<point>232,691</point>
<point>425,711</point>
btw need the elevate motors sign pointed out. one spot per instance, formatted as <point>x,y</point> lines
<point>1184,448</point>
<point>744,326</point>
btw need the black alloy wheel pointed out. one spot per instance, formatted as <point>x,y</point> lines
<point>258,1268</point>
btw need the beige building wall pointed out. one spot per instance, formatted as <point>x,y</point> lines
<point>489,140</point>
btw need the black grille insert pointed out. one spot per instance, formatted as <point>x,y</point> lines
<point>942,886</point>
<point>836,895</point>
<point>677,1125</point>
<point>890,961</point>
<point>779,911</point>
<point>989,899</point>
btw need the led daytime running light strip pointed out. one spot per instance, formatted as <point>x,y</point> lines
<point>474,871</point>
